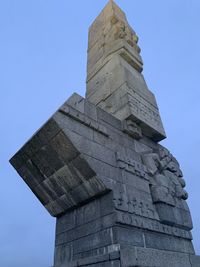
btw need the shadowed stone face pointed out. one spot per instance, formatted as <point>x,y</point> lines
<point>55,170</point>
<point>167,188</point>
<point>96,165</point>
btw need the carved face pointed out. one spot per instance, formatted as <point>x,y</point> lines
<point>166,184</point>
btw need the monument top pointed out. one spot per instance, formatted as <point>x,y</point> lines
<point>114,73</point>
<point>111,25</point>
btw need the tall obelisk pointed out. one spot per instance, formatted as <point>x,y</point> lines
<point>114,73</point>
<point>97,166</point>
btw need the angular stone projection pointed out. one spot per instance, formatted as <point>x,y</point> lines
<point>96,165</point>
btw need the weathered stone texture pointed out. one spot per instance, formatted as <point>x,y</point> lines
<point>96,165</point>
<point>88,156</point>
<point>114,81</point>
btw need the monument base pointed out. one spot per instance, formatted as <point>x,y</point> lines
<point>138,257</point>
<point>97,234</point>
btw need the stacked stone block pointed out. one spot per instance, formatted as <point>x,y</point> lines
<point>96,165</point>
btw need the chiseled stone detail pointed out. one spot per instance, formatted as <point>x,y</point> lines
<point>115,82</point>
<point>167,188</point>
<point>132,129</point>
<point>96,165</point>
<point>151,224</point>
<point>106,32</point>
<point>131,165</point>
<point>82,118</point>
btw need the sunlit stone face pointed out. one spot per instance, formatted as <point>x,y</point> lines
<point>114,79</point>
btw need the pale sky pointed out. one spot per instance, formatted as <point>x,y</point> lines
<point>43,45</point>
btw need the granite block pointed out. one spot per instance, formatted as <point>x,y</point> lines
<point>96,165</point>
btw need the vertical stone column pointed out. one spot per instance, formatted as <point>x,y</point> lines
<point>114,73</point>
<point>96,165</point>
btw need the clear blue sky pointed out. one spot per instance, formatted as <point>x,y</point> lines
<point>43,46</point>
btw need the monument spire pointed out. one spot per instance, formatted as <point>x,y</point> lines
<point>114,73</point>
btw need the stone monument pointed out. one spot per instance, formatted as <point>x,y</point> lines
<point>96,165</point>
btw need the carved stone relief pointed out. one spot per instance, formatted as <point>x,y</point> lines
<point>167,188</point>
<point>121,30</point>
